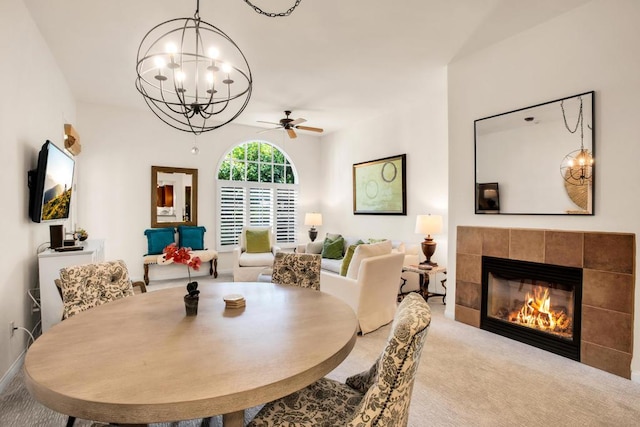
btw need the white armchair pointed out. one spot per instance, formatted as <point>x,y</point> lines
<point>247,265</point>
<point>373,293</point>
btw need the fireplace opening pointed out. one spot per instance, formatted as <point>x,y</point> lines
<point>537,304</point>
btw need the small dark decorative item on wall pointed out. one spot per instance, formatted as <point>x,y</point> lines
<point>488,197</point>
<point>379,186</point>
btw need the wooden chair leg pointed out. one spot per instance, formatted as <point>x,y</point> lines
<point>146,274</point>
<point>213,270</point>
<point>71,421</point>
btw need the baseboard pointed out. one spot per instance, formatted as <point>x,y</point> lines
<point>13,370</point>
<point>635,377</point>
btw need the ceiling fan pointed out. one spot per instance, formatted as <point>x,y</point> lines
<point>289,125</point>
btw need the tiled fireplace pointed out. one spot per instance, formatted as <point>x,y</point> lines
<point>605,296</point>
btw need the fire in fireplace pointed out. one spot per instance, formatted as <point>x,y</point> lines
<point>538,304</point>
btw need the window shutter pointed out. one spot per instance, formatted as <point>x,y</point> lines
<point>286,214</point>
<point>232,214</point>
<point>260,206</point>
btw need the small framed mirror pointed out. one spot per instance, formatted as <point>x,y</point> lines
<point>174,196</point>
<point>542,158</point>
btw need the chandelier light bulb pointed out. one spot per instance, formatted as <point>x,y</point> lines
<point>226,68</point>
<point>160,62</point>
<point>210,78</point>
<point>172,49</point>
<point>214,53</point>
<point>180,76</point>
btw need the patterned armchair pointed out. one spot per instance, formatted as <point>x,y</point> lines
<point>301,270</point>
<point>379,397</point>
<point>86,286</point>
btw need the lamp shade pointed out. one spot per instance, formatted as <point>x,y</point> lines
<point>428,224</point>
<point>313,218</point>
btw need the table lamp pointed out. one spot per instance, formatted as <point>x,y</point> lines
<point>313,219</point>
<point>428,224</point>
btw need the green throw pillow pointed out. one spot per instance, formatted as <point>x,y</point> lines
<point>332,249</point>
<point>258,241</point>
<point>347,257</point>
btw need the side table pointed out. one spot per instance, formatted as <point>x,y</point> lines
<point>424,280</point>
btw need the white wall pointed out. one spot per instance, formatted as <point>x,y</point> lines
<point>420,131</point>
<point>35,104</point>
<point>594,47</point>
<point>119,146</point>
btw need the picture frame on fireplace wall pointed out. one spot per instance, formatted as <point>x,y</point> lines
<point>488,197</point>
<point>379,186</point>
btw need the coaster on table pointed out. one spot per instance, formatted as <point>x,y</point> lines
<point>234,301</point>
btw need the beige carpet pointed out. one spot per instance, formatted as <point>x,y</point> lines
<point>467,377</point>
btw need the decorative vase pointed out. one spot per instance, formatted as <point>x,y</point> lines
<point>191,305</point>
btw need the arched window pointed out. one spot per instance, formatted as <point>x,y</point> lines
<point>258,186</point>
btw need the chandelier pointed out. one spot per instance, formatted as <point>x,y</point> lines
<point>192,75</point>
<point>577,166</point>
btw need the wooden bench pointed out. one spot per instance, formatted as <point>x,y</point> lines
<point>206,255</point>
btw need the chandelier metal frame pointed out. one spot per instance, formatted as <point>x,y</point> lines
<point>187,87</point>
<point>576,167</point>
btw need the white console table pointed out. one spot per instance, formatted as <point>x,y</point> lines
<point>49,264</point>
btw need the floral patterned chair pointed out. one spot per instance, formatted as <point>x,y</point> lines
<point>301,270</point>
<point>86,286</point>
<point>379,397</point>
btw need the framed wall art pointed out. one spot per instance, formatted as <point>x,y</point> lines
<point>379,186</point>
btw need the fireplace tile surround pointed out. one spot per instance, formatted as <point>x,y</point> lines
<point>608,263</point>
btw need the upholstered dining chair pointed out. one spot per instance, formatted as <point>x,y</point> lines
<point>88,285</point>
<point>85,286</point>
<point>379,397</point>
<point>301,270</point>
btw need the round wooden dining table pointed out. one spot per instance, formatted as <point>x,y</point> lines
<point>141,360</point>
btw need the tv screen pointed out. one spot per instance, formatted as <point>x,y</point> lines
<point>50,185</point>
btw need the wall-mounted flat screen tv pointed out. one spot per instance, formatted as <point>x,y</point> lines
<point>50,185</point>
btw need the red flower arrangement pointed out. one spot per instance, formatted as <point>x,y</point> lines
<point>182,256</point>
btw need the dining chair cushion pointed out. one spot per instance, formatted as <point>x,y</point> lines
<point>378,397</point>
<point>293,269</point>
<point>90,285</point>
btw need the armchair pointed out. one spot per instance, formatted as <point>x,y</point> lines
<point>254,254</point>
<point>372,293</point>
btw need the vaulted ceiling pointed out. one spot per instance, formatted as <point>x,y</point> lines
<point>331,61</point>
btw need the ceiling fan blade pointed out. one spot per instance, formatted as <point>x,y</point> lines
<point>271,123</point>
<point>292,133</point>
<point>310,128</point>
<point>296,121</point>
<point>268,130</point>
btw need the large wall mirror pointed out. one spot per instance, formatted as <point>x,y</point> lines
<point>541,158</point>
<point>174,196</point>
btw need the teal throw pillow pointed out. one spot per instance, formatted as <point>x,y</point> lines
<point>191,237</point>
<point>258,241</point>
<point>332,249</point>
<point>158,239</point>
<point>347,257</point>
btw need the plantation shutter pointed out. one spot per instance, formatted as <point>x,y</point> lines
<point>286,213</point>
<point>260,206</point>
<point>232,214</point>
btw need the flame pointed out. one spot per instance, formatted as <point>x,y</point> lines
<point>536,312</point>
